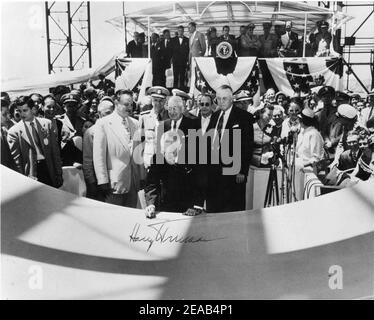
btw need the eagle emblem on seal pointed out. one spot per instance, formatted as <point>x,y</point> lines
<point>224,50</point>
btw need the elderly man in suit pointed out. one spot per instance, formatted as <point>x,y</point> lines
<point>180,53</point>
<point>104,109</point>
<point>170,180</point>
<point>33,146</point>
<point>197,42</point>
<point>118,176</point>
<point>232,145</point>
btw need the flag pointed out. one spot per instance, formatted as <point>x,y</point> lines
<point>298,76</point>
<point>131,73</point>
<point>208,74</point>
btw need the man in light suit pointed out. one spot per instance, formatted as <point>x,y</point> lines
<point>104,109</point>
<point>118,176</point>
<point>196,42</point>
<point>33,146</point>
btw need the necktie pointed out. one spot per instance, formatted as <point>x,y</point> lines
<point>127,128</point>
<point>220,125</point>
<point>36,138</point>
<point>173,125</point>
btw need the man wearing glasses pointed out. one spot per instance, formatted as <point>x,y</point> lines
<point>118,176</point>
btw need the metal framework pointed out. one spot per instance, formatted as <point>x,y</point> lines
<point>68,28</point>
<point>355,44</point>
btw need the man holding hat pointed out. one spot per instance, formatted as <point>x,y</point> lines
<point>149,121</point>
<point>289,42</point>
<point>269,42</point>
<point>336,141</point>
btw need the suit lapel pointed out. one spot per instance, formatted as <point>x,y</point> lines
<point>25,134</point>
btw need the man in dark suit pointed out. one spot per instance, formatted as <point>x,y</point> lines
<point>206,109</point>
<point>289,42</point>
<point>161,59</point>
<point>134,48</point>
<point>170,180</point>
<point>232,145</point>
<point>33,146</point>
<point>180,52</point>
<point>227,37</point>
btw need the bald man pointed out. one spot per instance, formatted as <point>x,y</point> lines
<point>104,109</point>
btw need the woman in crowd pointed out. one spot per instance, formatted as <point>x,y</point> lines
<point>262,135</point>
<point>292,122</point>
<point>309,146</point>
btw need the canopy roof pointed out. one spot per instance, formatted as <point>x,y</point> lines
<point>233,13</point>
<point>41,84</point>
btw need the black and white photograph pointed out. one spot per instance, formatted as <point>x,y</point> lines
<point>211,151</point>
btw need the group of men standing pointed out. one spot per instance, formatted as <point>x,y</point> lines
<point>184,163</point>
<point>195,163</point>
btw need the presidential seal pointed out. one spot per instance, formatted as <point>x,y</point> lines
<point>224,50</point>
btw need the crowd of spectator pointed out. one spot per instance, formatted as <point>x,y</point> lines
<point>99,130</point>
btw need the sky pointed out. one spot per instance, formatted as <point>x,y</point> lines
<point>23,35</point>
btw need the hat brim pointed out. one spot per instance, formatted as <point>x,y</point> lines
<point>156,95</point>
<point>70,100</point>
<point>243,99</point>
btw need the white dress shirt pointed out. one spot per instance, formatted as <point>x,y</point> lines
<point>204,123</point>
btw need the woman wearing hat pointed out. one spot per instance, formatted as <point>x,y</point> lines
<point>262,135</point>
<point>309,147</point>
<point>249,43</point>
